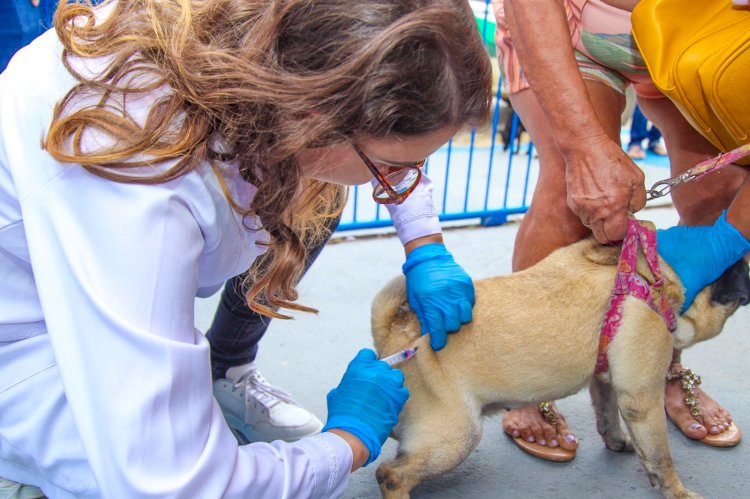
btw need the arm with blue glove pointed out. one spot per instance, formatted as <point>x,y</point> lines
<point>700,254</point>
<point>440,292</point>
<point>366,405</point>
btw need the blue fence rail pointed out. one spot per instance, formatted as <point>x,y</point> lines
<point>475,176</point>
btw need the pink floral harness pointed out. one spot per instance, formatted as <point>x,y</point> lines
<point>629,283</point>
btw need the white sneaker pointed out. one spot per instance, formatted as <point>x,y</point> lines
<point>257,411</point>
<point>14,490</point>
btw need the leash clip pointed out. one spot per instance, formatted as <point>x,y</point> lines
<point>666,186</point>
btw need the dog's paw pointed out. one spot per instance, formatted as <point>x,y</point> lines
<point>618,442</point>
<point>390,484</point>
<point>685,494</point>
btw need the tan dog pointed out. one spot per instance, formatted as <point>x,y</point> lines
<point>535,337</point>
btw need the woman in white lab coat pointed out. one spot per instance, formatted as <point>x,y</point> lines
<point>149,150</point>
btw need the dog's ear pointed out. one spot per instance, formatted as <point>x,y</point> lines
<point>733,285</point>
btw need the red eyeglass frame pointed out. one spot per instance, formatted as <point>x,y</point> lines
<point>393,196</point>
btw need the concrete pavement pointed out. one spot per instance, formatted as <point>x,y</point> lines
<point>308,355</point>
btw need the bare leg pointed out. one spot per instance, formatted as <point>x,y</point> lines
<point>548,225</point>
<point>740,207</point>
<point>698,203</point>
<point>702,201</point>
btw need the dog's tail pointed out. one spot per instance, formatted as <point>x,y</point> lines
<point>394,325</point>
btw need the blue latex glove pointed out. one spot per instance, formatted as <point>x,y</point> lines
<point>699,255</point>
<point>368,401</point>
<point>439,291</point>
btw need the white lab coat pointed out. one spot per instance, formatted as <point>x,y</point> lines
<point>105,387</point>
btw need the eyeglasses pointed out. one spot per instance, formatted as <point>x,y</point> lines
<point>396,186</point>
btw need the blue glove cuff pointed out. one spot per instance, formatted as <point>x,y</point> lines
<point>700,254</point>
<point>423,253</point>
<point>735,239</point>
<point>355,427</point>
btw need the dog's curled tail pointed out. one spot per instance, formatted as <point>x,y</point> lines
<point>394,326</point>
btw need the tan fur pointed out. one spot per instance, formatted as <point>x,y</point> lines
<point>535,337</point>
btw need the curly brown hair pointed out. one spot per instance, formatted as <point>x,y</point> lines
<point>254,82</point>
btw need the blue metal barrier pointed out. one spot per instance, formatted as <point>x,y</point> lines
<point>467,185</point>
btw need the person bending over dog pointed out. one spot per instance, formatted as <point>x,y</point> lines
<point>568,89</point>
<point>183,143</point>
<point>255,409</point>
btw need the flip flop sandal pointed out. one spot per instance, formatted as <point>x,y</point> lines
<point>555,454</point>
<point>689,380</point>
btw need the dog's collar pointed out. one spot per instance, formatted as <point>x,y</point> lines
<point>629,283</point>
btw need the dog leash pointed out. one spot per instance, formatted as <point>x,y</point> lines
<point>628,282</point>
<point>664,187</point>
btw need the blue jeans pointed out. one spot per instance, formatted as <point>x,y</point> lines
<point>639,131</point>
<point>236,330</point>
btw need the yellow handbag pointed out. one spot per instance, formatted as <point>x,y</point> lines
<point>698,54</point>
